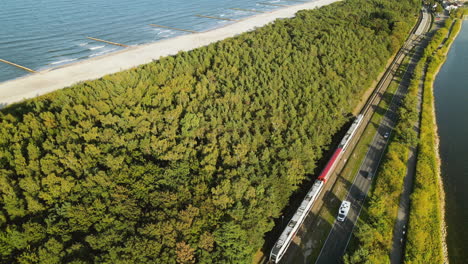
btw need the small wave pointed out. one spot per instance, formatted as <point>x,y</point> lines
<point>68,53</point>
<point>240,13</point>
<point>162,31</point>
<point>62,61</point>
<point>102,52</point>
<point>167,35</point>
<point>55,50</point>
<point>82,44</point>
<point>95,48</point>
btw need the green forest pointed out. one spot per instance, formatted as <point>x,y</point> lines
<point>188,159</point>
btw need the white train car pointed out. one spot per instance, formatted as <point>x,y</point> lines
<point>350,133</point>
<point>295,223</point>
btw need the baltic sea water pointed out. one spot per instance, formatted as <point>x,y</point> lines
<point>451,100</point>
<point>41,34</point>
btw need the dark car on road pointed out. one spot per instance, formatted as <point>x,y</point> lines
<point>367,175</point>
<point>361,197</point>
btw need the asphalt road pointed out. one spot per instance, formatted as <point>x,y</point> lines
<point>301,246</point>
<point>338,238</point>
<point>340,234</point>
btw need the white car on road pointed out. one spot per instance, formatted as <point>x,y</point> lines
<point>343,212</point>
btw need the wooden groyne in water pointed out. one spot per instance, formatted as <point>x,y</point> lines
<point>219,18</point>
<point>108,42</point>
<point>18,66</point>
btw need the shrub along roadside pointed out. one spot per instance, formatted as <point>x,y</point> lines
<point>424,238</point>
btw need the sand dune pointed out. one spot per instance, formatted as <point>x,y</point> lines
<point>58,78</point>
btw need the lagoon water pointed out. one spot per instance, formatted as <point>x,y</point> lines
<point>41,34</point>
<point>451,99</point>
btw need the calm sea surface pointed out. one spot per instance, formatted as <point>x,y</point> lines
<point>41,34</point>
<point>451,99</point>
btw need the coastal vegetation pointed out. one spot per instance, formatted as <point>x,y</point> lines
<point>424,238</point>
<point>192,157</point>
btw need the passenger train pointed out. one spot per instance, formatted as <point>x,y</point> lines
<point>299,216</point>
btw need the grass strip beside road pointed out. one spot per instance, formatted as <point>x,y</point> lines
<point>376,224</point>
<point>376,119</point>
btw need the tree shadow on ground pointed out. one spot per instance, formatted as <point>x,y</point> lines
<point>313,234</point>
<point>18,109</point>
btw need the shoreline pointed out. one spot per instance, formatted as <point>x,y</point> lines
<point>53,79</point>
<point>437,145</point>
<point>443,225</point>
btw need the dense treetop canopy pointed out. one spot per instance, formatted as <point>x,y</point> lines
<point>189,158</point>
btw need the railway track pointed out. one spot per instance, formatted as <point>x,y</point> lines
<point>334,247</point>
<point>395,63</point>
<point>368,109</point>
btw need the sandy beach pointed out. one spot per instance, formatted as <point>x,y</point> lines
<point>58,78</point>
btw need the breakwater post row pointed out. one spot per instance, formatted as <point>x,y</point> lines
<point>108,42</point>
<point>219,18</point>
<point>18,66</point>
